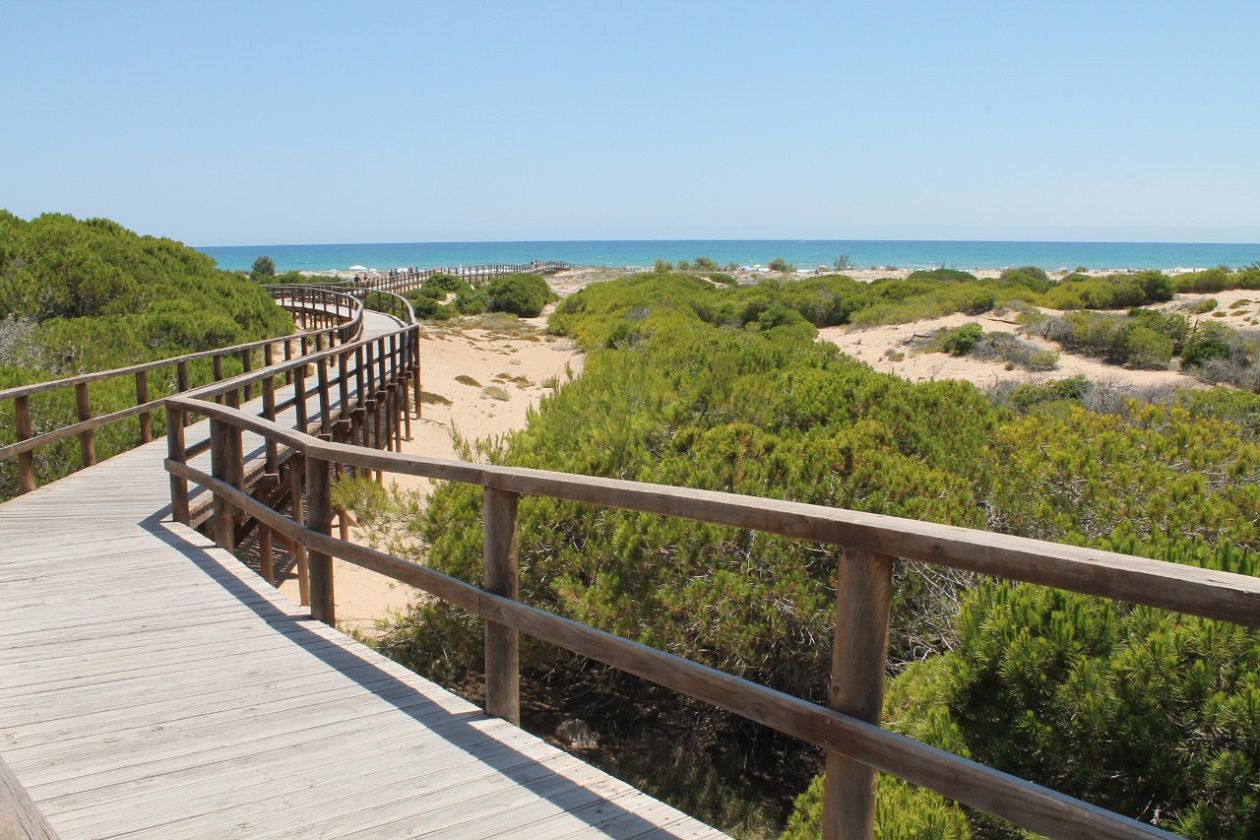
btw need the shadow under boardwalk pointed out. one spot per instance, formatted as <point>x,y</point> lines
<point>152,686</point>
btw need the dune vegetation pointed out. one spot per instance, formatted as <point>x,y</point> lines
<point>690,383</point>
<point>79,296</point>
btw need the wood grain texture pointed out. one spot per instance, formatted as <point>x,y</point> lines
<point>20,817</point>
<point>503,656</point>
<point>859,657</point>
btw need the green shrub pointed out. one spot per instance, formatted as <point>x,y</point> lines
<point>952,275</point>
<point>472,301</point>
<point>1143,348</point>
<point>1171,325</point>
<point>442,284</point>
<point>781,265</point>
<point>1030,277</point>
<point>520,294</point>
<point>428,309</point>
<point>705,264</point>
<point>961,340</point>
<point>262,270</point>
<point>724,279</point>
<point>662,266</point>
<point>1205,306</point>
<point>1207,341</point>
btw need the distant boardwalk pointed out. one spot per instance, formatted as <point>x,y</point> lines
<point>152,686</point>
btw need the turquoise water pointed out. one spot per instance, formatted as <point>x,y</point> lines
<point>802,253</point>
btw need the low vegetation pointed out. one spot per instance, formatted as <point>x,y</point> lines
<point>971,340</point>
<point>443,296</point>
<point>79,296</point>
<point>687,383</point>
<point>1150,339</point>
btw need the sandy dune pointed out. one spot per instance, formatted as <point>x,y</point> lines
<point>873,344</point>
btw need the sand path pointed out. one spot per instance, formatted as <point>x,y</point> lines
<point>480,377</point>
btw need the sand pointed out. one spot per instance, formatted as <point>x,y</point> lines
<point>511,361</point>
<point>872,345</point>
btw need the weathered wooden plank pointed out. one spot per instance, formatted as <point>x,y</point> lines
<point>20,817</point>
<point>205,787</point>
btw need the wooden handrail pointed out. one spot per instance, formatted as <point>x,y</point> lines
<point>393,281</point>
<point>310,304</point>
<point>1188,589</point>
<point>849,731</point>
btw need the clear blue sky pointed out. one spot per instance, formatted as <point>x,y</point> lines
<point>271,123</point>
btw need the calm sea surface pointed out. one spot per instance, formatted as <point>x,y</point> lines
<point>747,252</point>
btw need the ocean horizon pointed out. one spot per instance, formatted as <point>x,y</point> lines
<point>803,253</point>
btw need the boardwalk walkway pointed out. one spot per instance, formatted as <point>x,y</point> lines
<point>152,686</point>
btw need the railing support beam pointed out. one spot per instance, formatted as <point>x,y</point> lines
<point>858,659</point>
<point>319,519</point>
<point>503,655</point>
<point>176,451</point>
<point>26,461</point>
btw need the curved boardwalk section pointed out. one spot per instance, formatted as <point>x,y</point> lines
<point>152,686</point>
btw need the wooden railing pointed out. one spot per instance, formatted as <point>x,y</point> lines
<point>394,305</point>
<point>848,729</point>
<point>474,275</point>
<point>331,317</point>
<point>365,392</point>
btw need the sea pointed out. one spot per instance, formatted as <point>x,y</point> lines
<point>750,253</point>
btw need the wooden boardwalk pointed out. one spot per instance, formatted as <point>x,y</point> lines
<point>152,686</point>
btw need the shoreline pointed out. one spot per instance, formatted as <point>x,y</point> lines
<point>865,255</point>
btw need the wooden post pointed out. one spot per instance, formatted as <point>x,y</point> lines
<point>218,367</point>
<point>319,519</point>
<point>181,383</point>
<point>397,410</point>
<point>246,367</point>
<point>221,468</point>
<point>142,397</point>
<point>325,407</point>
<point>415,362</point>
<point>175,450</point>
<point>269,412</point>
<point>858,658</point>
<point>405,403</point>
<point>358,375</point>
<point>237,461</point>
<point>296,473</point>
<point>87,444</point>
<point>299,397</point>
<point>503,655</point>
<point>266,560</point>
<point>26,461</point>
<point>380,361</point>
<point>343,381</point>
